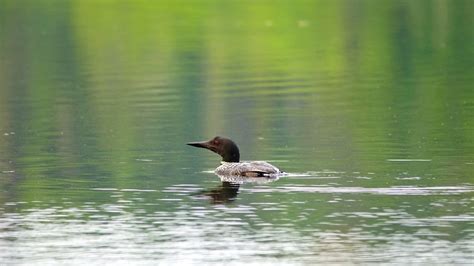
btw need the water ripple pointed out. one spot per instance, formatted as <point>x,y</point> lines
<point>405,190</point>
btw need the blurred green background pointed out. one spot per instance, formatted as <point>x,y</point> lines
<point>85,85</point>
<point>104,94</point>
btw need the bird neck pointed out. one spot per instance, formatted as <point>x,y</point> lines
<point>232,155</point>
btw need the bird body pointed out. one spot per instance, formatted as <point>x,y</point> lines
<point>247,168</point>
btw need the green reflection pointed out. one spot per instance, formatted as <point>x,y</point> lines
<point>104,94</point>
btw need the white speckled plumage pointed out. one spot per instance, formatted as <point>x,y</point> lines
<point>235,179</point>
<point>250,168</point>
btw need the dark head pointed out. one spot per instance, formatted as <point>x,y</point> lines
<point>222,146</point>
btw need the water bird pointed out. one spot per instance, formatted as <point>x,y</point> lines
<point>231,164</point>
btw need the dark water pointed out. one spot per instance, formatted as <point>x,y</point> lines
<point>368,105</point>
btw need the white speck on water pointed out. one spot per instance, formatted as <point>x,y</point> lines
<point>409,178</point>
<point>144,160</point>
<point>208,171</point>
<point>363,177</point>
<point>409,160</point>
<point>104,189</point>
<point>137,190</point>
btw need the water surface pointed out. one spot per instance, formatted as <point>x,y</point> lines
<point>366,105</point>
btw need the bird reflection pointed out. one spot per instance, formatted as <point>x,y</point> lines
<point>228,190</point>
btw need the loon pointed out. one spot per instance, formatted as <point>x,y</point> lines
<point>231,164</point>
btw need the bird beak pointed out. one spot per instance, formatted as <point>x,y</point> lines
<point>200,144</point>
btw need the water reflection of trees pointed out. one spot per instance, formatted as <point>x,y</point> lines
<point>353,80</point>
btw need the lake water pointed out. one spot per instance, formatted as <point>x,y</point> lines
<point>367,106</point>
